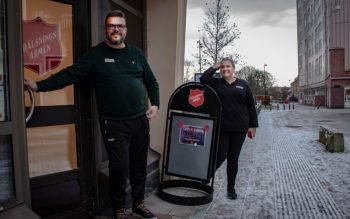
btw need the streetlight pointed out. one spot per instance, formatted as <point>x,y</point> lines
<point>265,85</point>
<point>200,46</point>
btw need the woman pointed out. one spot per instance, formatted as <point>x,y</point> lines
<point>238,116</point>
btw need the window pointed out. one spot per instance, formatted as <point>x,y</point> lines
<point>4,102</point>
<point>7,191</point>
<point>6,170</point>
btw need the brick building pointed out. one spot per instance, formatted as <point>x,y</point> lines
<point>294,88</point>
<point>324,52</point>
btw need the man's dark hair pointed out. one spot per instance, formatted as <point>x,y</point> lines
<point>115,13</point>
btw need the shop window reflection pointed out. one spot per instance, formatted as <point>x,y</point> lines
<point>4,102</point>
<point>51,149</point>
<point>6,169</point>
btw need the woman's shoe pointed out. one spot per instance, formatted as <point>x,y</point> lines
<point>232,194</point>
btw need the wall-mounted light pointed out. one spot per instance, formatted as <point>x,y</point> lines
<point>337,5</point>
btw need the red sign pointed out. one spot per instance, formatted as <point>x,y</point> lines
<point>41,46</point>
<point>196,97</point>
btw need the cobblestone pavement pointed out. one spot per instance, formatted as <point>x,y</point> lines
<point>284,172</point>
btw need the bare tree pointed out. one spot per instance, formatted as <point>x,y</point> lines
<point>188,75</point>
<point>217,32</point>
<point>259,81</point>
<point>245,72</point>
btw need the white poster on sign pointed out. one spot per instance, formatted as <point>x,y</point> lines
<point>190,144</point>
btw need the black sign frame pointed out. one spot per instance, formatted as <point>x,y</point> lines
<point>197,101</point>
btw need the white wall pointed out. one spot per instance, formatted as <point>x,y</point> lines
<point>165,46</point>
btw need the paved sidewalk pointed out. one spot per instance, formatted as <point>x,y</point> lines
<point>284,172</point>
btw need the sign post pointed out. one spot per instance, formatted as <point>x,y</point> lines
<point>190,144</point>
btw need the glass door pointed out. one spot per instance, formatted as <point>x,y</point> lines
<point>7,191</point>
<point>14,182</point>
<point>60,170</point>
<point>48,48</point>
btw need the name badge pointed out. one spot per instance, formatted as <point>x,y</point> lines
<point>109,60</point>
<point>240,87</point>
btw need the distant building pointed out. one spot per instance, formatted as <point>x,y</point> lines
<point>294,89</point>
<point>324,52</point>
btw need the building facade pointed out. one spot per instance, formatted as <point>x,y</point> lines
<point>55,165</point>
<point>324,52</point>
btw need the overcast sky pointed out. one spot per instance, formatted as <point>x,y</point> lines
<point>269,34</point>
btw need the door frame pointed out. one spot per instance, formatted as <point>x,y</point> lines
<point>78,114</point>
<point>82,108</point>
<point>16,90</point>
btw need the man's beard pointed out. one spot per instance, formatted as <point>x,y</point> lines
<point>115,42</point>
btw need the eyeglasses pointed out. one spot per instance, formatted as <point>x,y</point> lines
<point>114,26</point>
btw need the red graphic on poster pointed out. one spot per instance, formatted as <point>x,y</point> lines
<point>196,97</point>
<point>41,46</point>
<point>206,128</point>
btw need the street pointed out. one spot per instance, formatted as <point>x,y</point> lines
<point>284,172</point>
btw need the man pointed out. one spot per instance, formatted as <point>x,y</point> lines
<point>119,72</point>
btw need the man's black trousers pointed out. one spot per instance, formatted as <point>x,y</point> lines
<point>127,143</point>
<point>230,145</point>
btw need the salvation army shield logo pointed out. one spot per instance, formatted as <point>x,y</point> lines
<point>196,97</point>
<point>41,46</point>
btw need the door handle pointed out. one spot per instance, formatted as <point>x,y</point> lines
<point>32,100</point>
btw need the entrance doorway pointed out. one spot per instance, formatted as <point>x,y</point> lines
<point>60,156</point>
<point>347,97</point>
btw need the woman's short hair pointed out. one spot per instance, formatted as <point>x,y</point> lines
<point>115,13</point>
<point>229,60</point>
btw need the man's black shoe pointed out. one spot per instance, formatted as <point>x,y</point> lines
<point>140,210</point>
<point>120,214</point>
<point>232,194</point>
